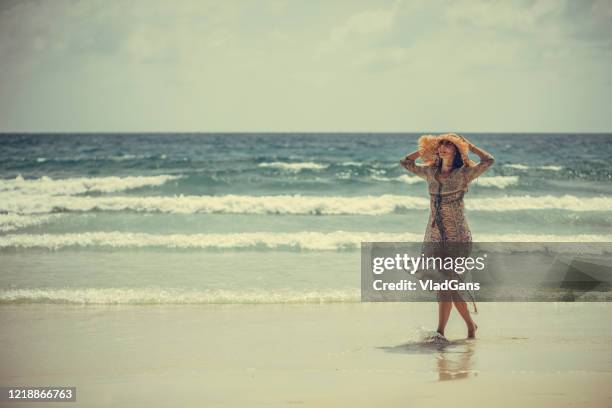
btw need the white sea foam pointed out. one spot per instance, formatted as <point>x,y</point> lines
<point>409,179</point>
<point>107,296</point>
<point>545,239</point>
<point>124,157</point>
<point>547,202</point>
<point>148,295</point>
<point>526,167</point>
<point>401,179</point>
<point>276,241</point>
<point>278,204</point>
<point>296,241</point>
<point>286,204</point>
<point>551,168</point>
<point>294,167</point>
<point>498,181</point>
<point>11,222</point>
<point>72,186</point>
<point>517,166</point>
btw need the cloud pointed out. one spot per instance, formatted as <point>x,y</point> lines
<point>358,42</point>
<point>279,65</point>
<point>363,25</point>
<point>551,22</point>
<point>524,17</point>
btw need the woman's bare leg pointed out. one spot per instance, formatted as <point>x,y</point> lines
<point>444,309</point>
<point>462,308</point>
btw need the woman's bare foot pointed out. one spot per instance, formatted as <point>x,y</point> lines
<point>439,338</point>
<point>472,330</point>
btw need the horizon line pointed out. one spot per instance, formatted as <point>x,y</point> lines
<point>3,133</point>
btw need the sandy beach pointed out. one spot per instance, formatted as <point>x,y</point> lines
<point>238,204</point>
<point>533,355</point>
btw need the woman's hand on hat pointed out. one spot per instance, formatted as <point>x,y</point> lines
<point>465,139</point>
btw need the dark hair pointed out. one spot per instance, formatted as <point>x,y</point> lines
<point>458,160</point>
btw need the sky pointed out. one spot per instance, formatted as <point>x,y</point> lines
<point>305,66</point>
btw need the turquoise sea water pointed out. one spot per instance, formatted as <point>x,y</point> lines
<point>250,218</point>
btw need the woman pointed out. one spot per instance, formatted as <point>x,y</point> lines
<point>448,171</point>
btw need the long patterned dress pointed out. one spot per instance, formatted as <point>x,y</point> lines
<point>447,222</point>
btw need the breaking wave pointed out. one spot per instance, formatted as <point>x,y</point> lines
<point>286,204</point>
<point>11,222</point>
<point>159,296</point>
<point>294,167</point>
<point>139,296</point>
<point>81,185</point>
<point>500,182</point>
<point>262,241</point>
<point>519,166</point>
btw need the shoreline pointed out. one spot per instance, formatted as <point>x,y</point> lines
<point>309,354</point>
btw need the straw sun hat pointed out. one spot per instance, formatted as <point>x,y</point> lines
<point>428,148</point>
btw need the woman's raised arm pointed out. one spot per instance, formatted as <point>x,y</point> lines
<point>409,164</point>
<point>486,161</point>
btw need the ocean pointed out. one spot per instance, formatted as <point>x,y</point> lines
<point>223,270</point>
<point>261,218</point>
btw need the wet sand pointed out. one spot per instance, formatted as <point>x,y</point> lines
<point>536,354</point>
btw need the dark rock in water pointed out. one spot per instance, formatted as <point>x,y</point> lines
<point>568,297</point>
<point>580,274</point>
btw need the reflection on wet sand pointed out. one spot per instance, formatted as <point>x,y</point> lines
<point>458,363</point>
<point>454,359</point>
